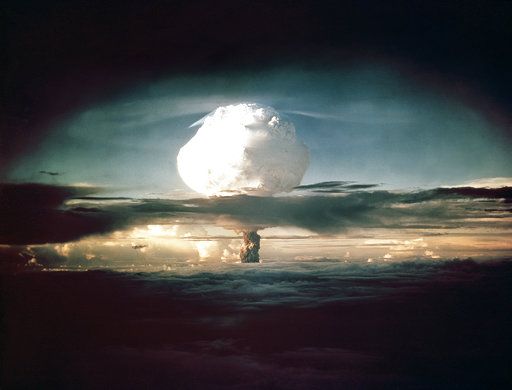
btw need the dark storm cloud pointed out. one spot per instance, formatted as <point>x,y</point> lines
<point>49,173</point>
<point>34,214</point>
<point>335,187</point>
<point>504,193</point>
<point>315,284</point>
<point>38,196</point>
<point>438,208</point>
<point>13,257</point>
<point>287,326</point>
<point>323,185</point>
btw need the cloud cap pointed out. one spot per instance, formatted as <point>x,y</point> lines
<point>243,149</point>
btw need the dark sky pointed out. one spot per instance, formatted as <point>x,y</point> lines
<point>387,95</point>
<point>65,55</point>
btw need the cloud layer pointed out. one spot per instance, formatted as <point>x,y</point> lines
<point>34,214</point>
<point>285,325</point>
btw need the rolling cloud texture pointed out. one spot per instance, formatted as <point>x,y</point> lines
<point>35,213</point>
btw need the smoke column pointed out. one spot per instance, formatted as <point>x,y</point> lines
<point>249,252</point>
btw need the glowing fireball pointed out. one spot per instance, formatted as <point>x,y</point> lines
<point>243,149</point>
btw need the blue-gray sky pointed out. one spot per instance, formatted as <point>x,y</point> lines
<point>368,123</point>
<point>406,93</point>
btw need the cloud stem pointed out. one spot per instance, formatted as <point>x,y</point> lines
<point>249,252</point>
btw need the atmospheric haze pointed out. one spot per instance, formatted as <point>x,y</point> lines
<point>244,149</point>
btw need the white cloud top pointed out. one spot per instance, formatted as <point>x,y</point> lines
<point>243,149</point>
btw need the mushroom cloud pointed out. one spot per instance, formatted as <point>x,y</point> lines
<point>247,149</point>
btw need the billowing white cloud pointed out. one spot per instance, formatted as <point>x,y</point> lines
<point>431,254</point>
<point>488,182</point>
<point>243,149</point>
<point>205,248</point>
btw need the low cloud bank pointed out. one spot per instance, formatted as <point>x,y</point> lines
<point>36,214</point>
